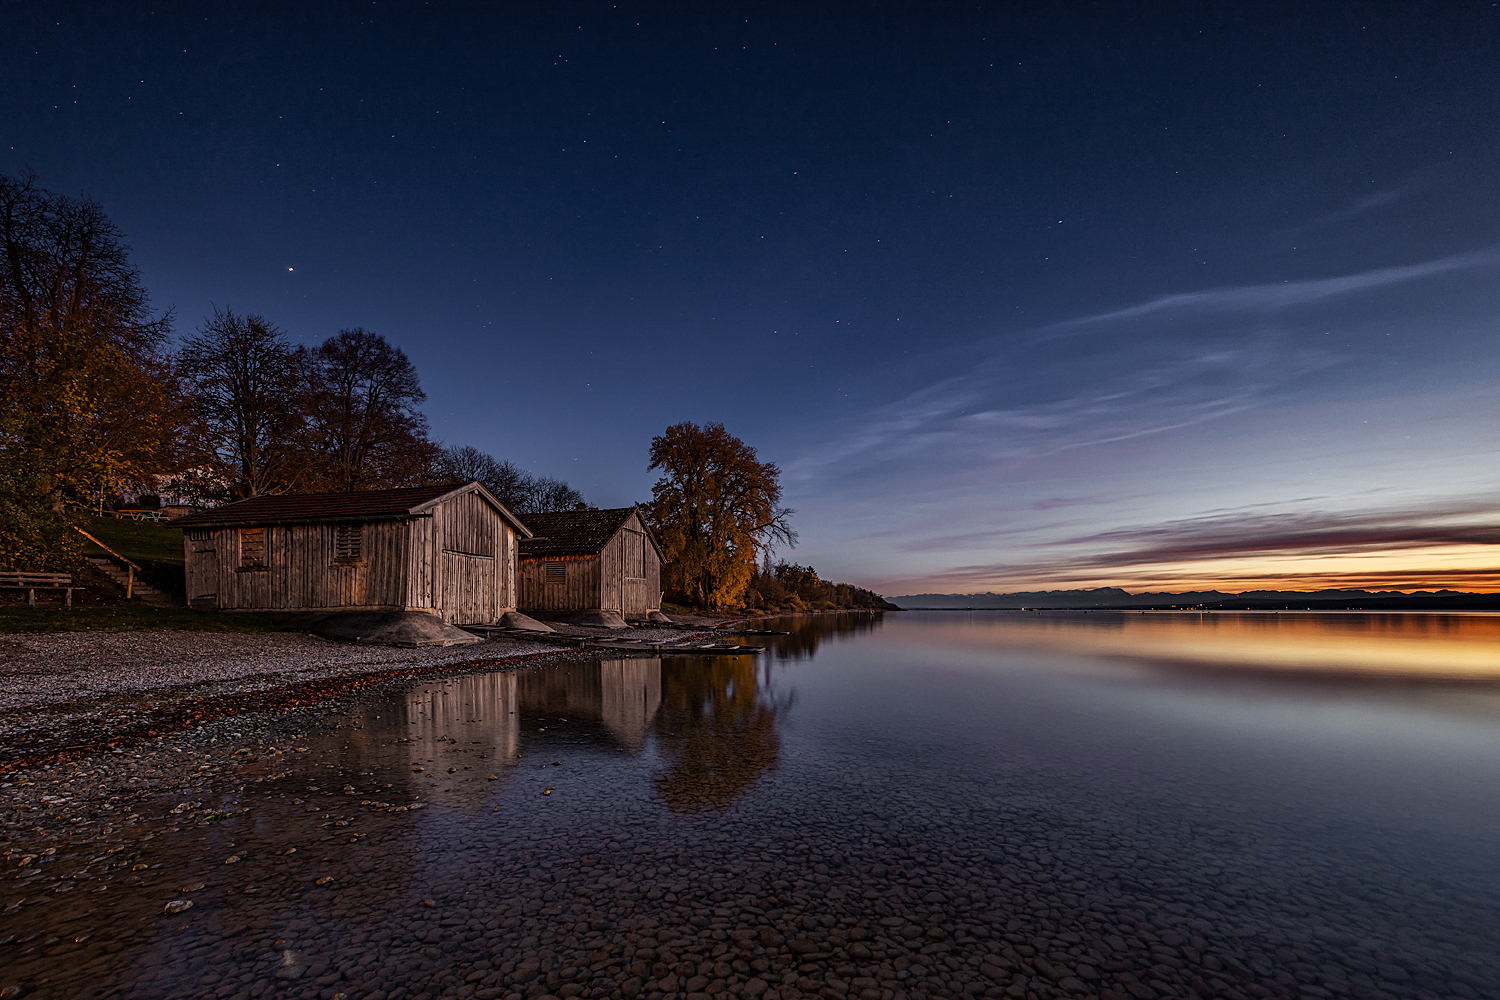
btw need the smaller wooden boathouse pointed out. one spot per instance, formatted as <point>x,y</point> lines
<point>447,550</point>
<point>602,561</point>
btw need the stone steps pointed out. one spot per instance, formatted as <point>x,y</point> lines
<point>141,591</point>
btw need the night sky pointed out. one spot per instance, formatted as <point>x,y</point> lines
<point>1018,297</point>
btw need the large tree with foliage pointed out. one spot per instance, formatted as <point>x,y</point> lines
<point>715,509</point>
<point>363,414</point>
<point>85,390</point>
<point>246,397</point>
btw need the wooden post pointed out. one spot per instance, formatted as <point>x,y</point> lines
<point>130,581</point>
<point>30,597</point>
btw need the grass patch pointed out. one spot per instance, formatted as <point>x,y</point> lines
<point>126,618</point>
<point>138,541</point>
<point>152,545</point>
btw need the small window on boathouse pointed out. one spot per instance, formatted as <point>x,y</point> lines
<point>252,546</point>
<point>349,543</point>
<point>555,573</point>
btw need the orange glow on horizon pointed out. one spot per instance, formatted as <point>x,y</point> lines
<point>1467,568</point>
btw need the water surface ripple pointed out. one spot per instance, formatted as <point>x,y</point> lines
<point>928,805</point>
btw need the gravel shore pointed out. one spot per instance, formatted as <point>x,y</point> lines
<point>74,668</point>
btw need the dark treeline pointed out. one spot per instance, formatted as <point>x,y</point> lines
<point>97,406</point>
<point>789,587</point>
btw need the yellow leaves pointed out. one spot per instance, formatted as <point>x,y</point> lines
<point>714,509</point>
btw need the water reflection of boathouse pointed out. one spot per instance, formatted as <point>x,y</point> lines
<point>715,722</point>
<point>620,695</point>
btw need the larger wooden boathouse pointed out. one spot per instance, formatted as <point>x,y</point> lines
<point>449,550</point>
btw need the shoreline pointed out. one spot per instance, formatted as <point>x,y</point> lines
<point>91,781</point>
<point>98,722</point>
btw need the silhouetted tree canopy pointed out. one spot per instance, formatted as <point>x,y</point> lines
<point>787,586</point>
<point>520,491</point>
<point>362,410</point>
<point>246,390</point>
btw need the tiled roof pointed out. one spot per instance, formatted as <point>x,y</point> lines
<point>572,532</point>
<point>366,505</point>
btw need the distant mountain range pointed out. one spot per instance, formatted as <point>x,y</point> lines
<point>1114,597</point>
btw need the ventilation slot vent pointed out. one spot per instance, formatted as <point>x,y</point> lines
<point>349,543</point>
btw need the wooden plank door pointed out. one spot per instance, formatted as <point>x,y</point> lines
<point>202,571</point>
<point>633,597</point>
<point>470,588</point>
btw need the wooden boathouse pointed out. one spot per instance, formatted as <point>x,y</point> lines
<point>448,550</point>
<point>590,561</point>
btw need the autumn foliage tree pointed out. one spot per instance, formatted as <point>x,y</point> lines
<point>85,388</point>
<point>715,509</point>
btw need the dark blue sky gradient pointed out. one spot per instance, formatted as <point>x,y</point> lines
<point>986,280</point>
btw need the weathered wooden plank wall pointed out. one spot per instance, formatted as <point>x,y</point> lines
<point>297,567</point>
<point>460,562</point>
<point>578,590</point>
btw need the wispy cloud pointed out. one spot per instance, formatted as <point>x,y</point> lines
<point>1284,295</point>
<point>1361,206</point>
<point>1171,362</point>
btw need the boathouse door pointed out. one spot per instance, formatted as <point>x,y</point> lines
<point>471,586</point>
<point>634,600</point>
<point>202,569</point>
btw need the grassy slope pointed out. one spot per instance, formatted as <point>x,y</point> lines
<point>138,541</point>
<point>152,545</point>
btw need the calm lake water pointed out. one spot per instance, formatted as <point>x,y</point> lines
<point>929,804</point>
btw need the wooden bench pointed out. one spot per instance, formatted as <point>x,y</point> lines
<point>32,582</point>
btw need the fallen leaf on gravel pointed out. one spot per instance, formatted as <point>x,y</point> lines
<point>324,880</point>
<point>191,888</point>
<point>233,859</point>
<point>178,905</point>
<point>493,778</point>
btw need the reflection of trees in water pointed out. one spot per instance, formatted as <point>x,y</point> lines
<point>717,725</point>
<point>808,632</point>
